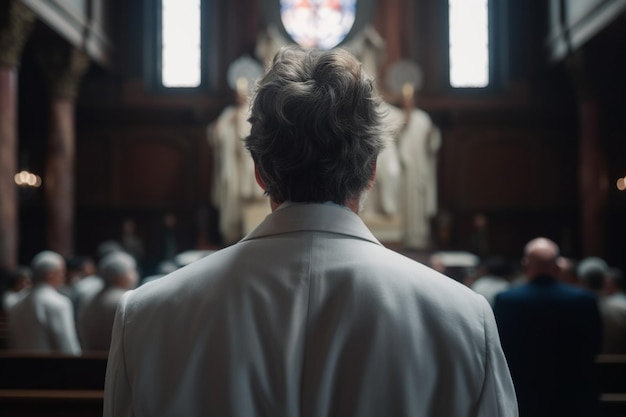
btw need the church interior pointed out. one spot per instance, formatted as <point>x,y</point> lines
<point>537,151</point>
<point>92,137</point>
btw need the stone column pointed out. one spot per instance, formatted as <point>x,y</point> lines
<point>63,68</point>
<point>16,22</point>
<point>592,170</point>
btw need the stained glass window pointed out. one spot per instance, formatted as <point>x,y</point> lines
<point>180,43</point>
<point>469,43</point>
<point>319,24</point>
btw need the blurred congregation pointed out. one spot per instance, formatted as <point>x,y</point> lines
<point>83,292</point>
<point>516,188</point>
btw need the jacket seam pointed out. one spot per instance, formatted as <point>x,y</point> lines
<point>306,325</point>
<point>123,311</point>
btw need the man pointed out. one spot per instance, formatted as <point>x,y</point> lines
<point>90,285</point>
<point>43,321</point>
<point>119,272</point>
<point>308,315</point>
<point>551,333</point>
<point>595,275</point>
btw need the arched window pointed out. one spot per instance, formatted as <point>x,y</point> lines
<point>319,24</point>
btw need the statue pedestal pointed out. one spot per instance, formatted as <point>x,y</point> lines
<point>386,228</point>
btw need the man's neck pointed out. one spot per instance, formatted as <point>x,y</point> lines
<point>353,205</point>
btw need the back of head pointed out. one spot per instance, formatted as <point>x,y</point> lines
<point>315,127</point>
<point>45,262</point>
<point>21,277</point>
<point>592,272</point>
<point>567,270</point>
<point>118,269</point>
<point>107,247</point>
<point>541,258</point>
<point>80,266</point>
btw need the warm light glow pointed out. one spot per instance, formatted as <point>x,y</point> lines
<point>407,91</point>
<point>469,43</point>
<point>180,47</point>
<point>27,179</point>
<point>621,184</point>
<point>242,86</point>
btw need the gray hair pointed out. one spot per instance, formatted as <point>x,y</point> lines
<point>44,262</point>
<point>315,127</point>
<point>592,272</point>
<point>115,264</point>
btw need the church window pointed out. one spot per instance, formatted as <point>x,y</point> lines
<point>469,47</point>
<point>179,44</point>
<point>319,24</point>
<point>177,52</point>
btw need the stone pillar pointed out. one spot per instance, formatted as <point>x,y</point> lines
<point>592,170</point>
<point>63,68</point>
<point>16,22</point>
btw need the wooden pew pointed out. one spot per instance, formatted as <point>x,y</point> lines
<point>611,371</point>
<point>37,385</point>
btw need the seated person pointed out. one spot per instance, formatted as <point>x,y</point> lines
<point>43,321</point>
<point>119,272</point>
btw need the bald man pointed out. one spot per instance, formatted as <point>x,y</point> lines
<point>43,321</point>
<point>550,333</point>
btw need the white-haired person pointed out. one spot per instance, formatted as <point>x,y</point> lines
<point>596,275</point>
<point>43,321</point>
<point>309,314</point>
<point>119,272</point>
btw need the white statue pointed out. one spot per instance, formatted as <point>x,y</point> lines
<point>234,187</point>
<point>404,199</point>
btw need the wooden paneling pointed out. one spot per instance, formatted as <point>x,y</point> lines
<point>491,169</point>
<point>152,169</point>
<point>130,166</point>
<point>517,169</point>
<point>131,170</point>
<point>93,161</point>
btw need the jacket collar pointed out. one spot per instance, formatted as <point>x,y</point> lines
<point>319,217</point>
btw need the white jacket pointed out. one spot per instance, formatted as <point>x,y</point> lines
<point>43,321</point>
<point>308,315</point>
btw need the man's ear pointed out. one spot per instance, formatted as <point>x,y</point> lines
<point>259,180</point>
<point>373,177</point>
